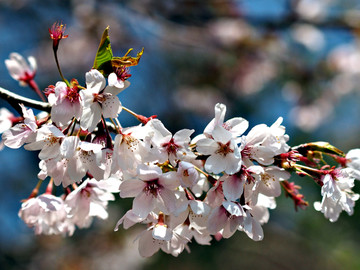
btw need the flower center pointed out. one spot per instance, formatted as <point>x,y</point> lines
<point>72,94</point>
<point>152,187</point>
<point>171,147</point>
<point>224,149</point>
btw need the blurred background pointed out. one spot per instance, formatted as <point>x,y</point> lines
<point>299,59</point>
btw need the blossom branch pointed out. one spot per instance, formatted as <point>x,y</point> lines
<point>14,99</point>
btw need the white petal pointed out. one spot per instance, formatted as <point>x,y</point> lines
<point>143,204</point>
<point>217,220</point>
<point>111,107</point>
<point>233,187</point>
<point>148,246</point>
<point>131,188</point>
<point>95,80</point>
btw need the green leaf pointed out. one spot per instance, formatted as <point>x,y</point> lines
<point>104,53</point>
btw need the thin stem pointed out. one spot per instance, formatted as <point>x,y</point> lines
<point>201,171</point>
<point>130,111</point>
<point>59,69</point>
<point>108,137</point>
<point>307,168</point>
<point>116,126</point>
<point>73,122</point>
<point>35,191</point>
<point>49,187</point>
<point>33,85</point>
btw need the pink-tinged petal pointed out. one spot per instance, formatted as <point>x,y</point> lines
<point>233,208</point>
<point>206,146</point>
<point>278,173</point>
<point>131,188</point>
<point>183,136</point>
<point>217,220</point>
<point>237,126</point>
<point>129,219</point>
<point>148,246</point>
<point>157,125</point>
<point>111,107</point>
<point>233,187</point>
<point>50,151</point>
<point>167,201</point>
<point>143,204</point>
<point>215,164</point>
<point>68,146</point>
<point>233,164</point>
<point>17,136</point>
<point>37,145</point>
<point>86,146</point>
<point>234,224</point>
<point>215,196</point>
<point>169,180</point>
<point>253,228</point>
<point>199,207</point>
<point>270,188</point>
<point>75,169</point>
<point>260,213</point>
<point>202,239</point>
<point>220,134</point>
<point>62,113</point>
<point>256,169</point>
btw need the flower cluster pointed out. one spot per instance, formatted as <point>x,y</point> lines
<point>184,187</point>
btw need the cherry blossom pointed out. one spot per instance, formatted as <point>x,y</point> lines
<point>262,143</point>
<point>19,69</point>
<point>65,102</point>
<point>5,119</point>
<point>90,200</point>
<point>48,140</point>
<point>152,189</point>
<point>21,133</point>
<point>236,126</point>
<point>227,218</point>
<point>47,214</point>
<point>97,101</point>
<point>167,146</point>
<point>224,152</point>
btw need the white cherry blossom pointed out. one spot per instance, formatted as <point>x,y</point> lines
<point>227,218</point>
<point>19,69</point>
<point>21,133</point>
<point>97,100</point>
<point>236,126</point>
<point>167,146</point>
<point>48,140</point>
<point>262,143</point>
<point>5,119</point>
<point>224,152</point>
<point>65,103</point>
<point>152,190</point>
<point>90,200</point>
<point>47,215</point>
<point>353,162</point>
